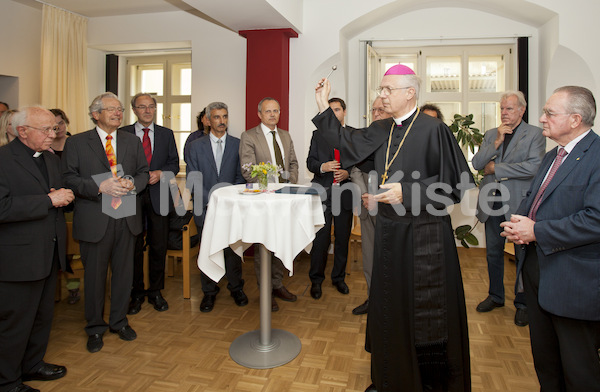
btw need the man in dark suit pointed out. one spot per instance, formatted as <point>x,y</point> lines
<point>267,143</point>
<point>559,225</point>
<point>107,216</point>
<point>509,156</point>
<point>330,175</point>
<point>32,244</point>
<point>214,160</point>
<point>161,154</point>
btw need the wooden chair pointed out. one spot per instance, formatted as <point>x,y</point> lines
<point>355,237</point>
<point>187,254</point>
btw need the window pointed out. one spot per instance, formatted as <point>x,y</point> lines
<point>169,80</point>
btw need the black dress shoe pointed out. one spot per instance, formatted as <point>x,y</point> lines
<point>487,305</point>
<point>315,290</point>
<point>95,343</point>
<point>46,372</point>
<point>521,317</point>
<point>240,297</point>
<point>23,388</point>
<point>135,305</point>
<point>126,333</point>
<point>158,301</point>
<point>208,303</point>
<point>361,309</point>
<point>274,306</point>
<point>371,388</point>
<point>341,286</point>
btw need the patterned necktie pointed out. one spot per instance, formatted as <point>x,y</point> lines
<point>147,146</point>
<point>278,157</point>
<point>112,161</point>
<point>538,197</point>
<point>219,155</point>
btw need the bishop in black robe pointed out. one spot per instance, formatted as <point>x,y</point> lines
<point>417,322</point>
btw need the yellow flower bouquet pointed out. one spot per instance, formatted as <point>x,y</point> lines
<point>264,172</point>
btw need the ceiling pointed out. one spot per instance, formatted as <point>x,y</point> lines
<point>248,15</point>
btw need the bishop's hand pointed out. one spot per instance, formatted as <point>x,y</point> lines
<point>322,91</point>
<point>392,196</point>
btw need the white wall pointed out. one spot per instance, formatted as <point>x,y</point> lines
<point>20,29</point>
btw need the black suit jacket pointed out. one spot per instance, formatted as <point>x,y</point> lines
<point>320,152</point>
<point>30,226</point>
<point>165,158</point>
<point>84,157</point>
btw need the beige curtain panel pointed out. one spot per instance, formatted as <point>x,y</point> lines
<point>64,65</point>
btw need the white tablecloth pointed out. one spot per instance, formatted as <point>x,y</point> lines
<point>286,224</point>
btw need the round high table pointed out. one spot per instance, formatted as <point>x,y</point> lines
<point>284,224</point>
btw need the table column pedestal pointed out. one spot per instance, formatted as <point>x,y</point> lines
<point>266,348</point>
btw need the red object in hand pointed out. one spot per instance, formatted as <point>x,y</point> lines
<point>336,156</point>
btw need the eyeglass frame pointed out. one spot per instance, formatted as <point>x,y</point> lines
<point>112,109</point>
<point>144,107</point>
<point>549,114</point>
<point>381,89</point>
<point>45,131</point>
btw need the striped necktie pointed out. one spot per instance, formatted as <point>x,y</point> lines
<point>112,161</point>
<point>538,197</point>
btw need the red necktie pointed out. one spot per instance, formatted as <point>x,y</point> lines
<point>147,146</point>
<point>112,161</point>
<point>538,197</point>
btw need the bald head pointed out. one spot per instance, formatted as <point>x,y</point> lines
<point>377,110</point>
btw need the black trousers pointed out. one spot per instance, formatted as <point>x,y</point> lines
<point>565,350</point>
<point>26,312</point>
<point>342,226</point>
<point>233,272</point>
<point>156,236</point>
<point>114,249</point>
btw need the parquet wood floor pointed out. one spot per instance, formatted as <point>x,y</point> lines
<point>184,350</point>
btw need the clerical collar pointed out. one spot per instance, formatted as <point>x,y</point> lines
<point>407,115</point>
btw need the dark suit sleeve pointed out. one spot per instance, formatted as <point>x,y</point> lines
<point>172,162</point>
<point>312,161</point>
<point>18,208</point>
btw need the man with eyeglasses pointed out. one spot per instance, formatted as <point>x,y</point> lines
<point>162,157</point>
<point>103,167</point>
<point>558,224</point>
<point>417,321</point>
<point>32,245</point>
<point>509,156</point>
<point>359,175</point>
<point>268,143</point>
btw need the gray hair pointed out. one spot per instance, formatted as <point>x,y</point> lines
<point>97,104</point>
<point>581,101</point>
<point>215,106</point>
<point>136,96</point>
<point>267,99</point>
<point>512,93</point>
<point>413,81</point>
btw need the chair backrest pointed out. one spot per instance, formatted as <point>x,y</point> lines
<point>72,244</point>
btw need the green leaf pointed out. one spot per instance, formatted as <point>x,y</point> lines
<point>471,239</point>
<point>462,230</point>
<point>464,244</point>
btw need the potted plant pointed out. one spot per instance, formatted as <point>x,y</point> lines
<point>468,137</point>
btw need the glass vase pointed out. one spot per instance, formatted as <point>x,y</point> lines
<point>263,183</point>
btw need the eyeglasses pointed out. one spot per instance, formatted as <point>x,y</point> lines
<point>378,110</point>
<point>550,114</point>
<point>45,131</point>
<point>388,90</point>
<point>143,108</point>
<point>114,109</point>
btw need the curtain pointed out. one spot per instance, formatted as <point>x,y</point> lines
<point>64,65</point>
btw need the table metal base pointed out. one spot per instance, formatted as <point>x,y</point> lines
<point>265,348</point>
<point>247,350</point>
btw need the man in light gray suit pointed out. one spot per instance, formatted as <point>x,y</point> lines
<point>510,156</point>
<point>267,143</point>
